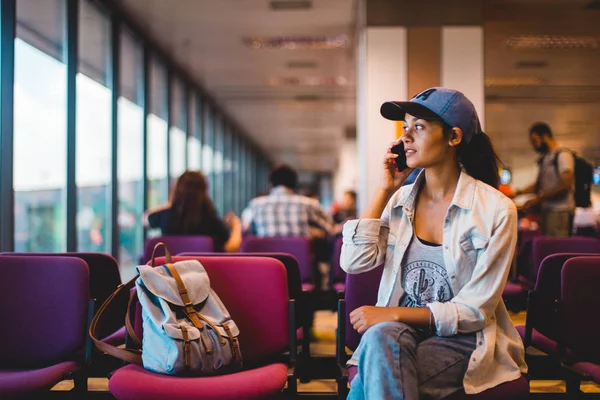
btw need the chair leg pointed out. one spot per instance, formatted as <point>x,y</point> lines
<point>342,388</point>
<point>305,355</point>
<point>80,382</point>
<point>573,387</point>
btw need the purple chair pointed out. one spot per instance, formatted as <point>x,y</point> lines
<point>338,276</point>
<point>304,305</point>
<point>299,247</point>
<point>104,279</point>
<point>580,326</point>
<point>44,307</point>
<point>264,315</point>
<point>177,244</point>
<point>543,246</point>
<point>361,289</point>
<point>542,326</point>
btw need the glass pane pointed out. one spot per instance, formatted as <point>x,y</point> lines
<point>218,198</point>
<point>158,190</point>
<point>227,171</point>
<point>178,130</point>
<point>207,149</point>
<point>195,134</point>
<point>130,152</point>
<point>40,117</point>
<point>94,136</point>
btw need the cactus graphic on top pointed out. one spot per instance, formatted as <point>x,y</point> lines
<point>420,287</point>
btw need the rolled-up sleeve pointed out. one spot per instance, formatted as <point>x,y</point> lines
<point>478,299</point>
<point>364,243</point>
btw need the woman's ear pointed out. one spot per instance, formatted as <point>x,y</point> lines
<point>456,137</point>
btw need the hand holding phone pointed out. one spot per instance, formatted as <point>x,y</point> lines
<point>401,159</point>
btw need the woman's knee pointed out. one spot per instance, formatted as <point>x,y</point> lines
<point>386,331</point>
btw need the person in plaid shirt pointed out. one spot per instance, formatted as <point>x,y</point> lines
<point>285,213</point>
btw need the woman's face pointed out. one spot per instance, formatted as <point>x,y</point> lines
<point>424,142</point>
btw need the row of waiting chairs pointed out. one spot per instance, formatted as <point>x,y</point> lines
<point>360,290</point>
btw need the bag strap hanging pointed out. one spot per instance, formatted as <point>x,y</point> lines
<point>132,356</point>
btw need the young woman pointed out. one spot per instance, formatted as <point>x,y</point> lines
<point>190,211</point>
<point>446,242</point>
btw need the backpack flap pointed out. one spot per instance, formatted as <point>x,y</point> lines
<point>161,284</point>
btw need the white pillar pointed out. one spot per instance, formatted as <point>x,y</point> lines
<point>462,64</point>
<point>382,76</point>
<point>345,175</point>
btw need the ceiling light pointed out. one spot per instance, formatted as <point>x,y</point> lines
<point>552,42</point>
<point>531,64</point>
<point>301,64</point>
<point>297,42</point>
<point>308,81</point>
<point>510,81</point>
<point>290,5</point>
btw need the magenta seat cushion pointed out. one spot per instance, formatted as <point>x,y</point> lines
<point>134,382</point>
<point>116,338</point>
<point>17,382</point>
<point>588,368</point>
<point>339,287</point>
<point>308,287</point>
<point>512,289</point>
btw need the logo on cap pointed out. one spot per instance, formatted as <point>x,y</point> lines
<point>424,95</point>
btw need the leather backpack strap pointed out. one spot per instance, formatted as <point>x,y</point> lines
<point>168,256</point>
<point>131,356</point>
<point>130,317</point>
<point>188,307</point>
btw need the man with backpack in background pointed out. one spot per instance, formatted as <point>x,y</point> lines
<point>562,183</point>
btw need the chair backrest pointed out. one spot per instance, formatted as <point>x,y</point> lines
<point>259,310</point>
<point>579,306</point>
<point>177,244</point>
<point>361,290</point>
<point>547,288</point>
<point>543,246</point>
<point>299,247</point>
<point>44,308</point>
<point>104,271</point>
<point>289,261</point>
<point>338,273</point>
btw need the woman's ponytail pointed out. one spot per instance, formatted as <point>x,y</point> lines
<point>479,159</point>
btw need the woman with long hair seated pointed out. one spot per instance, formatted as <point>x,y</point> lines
<point>190,211</point>
<point>446,242</point>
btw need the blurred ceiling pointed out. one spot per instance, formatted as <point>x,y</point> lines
<point>298,104</point>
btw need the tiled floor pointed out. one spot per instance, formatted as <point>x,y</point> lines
<point>324,328</point>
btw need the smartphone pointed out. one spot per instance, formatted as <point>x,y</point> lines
<point>401,159</point>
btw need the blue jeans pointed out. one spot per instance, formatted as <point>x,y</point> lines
<point>396,361</point>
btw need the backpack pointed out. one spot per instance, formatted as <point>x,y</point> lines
<point>583,175</point>
<point>187,329</point>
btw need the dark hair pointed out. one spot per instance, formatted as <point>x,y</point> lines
<point>352,194</point>
<point>478,157</point>
<point>190,203</point>
<point>284,175</point>
<point>541,128</point>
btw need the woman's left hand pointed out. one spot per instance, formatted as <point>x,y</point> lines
<point>366,316</point>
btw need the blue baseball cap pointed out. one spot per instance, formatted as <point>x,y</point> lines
<point>449,105</point>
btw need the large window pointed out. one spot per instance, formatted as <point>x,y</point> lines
<point>194,134</point>
<point>178,130</point>
<point>40,140</point>
<point>130,151</point>
<point>218,198</point>
<point>157,136</point>
<point>207,148</point>
<point>94,136</point>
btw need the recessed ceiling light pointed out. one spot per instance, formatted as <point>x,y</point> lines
<point>301,64</point>
<point>297,42</point>
<point>544,42</point>
<point>531,64</point>
<point>510,81</point>
<point>307,81</point>
<point>290,5</point>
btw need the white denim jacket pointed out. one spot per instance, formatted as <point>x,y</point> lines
<point>480,234</point>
